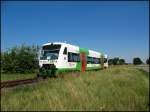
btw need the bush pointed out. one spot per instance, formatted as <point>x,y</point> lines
<point>20,59</point>
<point>110,61</point>
<point>147,61</point>
<point>121,61</point>
<point>137,61</point>
<point>116,61</point>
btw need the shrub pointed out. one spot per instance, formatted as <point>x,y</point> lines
<point>137,61</point>
<point>20,59</point>
<point>147,61</point>
<point>110,61</point>
<point>121,61</point>
<point>116,61</point>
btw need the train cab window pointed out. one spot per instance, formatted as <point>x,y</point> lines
<point>65,51</point>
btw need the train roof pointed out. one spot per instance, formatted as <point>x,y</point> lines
<point>63,43</point>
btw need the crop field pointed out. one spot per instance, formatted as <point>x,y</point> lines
<point>118,88</point>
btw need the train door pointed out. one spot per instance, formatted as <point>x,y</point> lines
<point>83,61</point>
<point>65,58</point>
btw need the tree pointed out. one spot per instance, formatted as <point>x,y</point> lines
<point>137,61</point>
<point>110,61</point>
<point>121,61</point>
<point>116,61</point>
<point>20,59</point>
<point>147,61</point>
<point>1,60</point>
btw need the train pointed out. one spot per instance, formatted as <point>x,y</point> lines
<point>57,57</point>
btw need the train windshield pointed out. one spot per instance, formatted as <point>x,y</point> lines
<point>50,52</point>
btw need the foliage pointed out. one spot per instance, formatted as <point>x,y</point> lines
<point>20,59</point>
<point>121,61</point>
<point>137,61</point>
<point>116,61</point>
<point>147,61</point>
<point>110,61</point>
<point>114,89</point>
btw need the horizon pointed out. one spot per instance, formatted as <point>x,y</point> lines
<point>119,29</point>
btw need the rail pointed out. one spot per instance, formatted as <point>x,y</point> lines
<point>6,84</point>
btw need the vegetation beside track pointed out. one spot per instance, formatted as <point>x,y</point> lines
<point>116,88</point>
<point>16,76</point>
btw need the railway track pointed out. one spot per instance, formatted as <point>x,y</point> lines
<point>13,83</point>
<point>7,84</point>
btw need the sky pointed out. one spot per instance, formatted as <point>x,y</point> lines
<point>116,28</point>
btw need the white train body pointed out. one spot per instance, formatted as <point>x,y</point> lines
<point>66,57</point>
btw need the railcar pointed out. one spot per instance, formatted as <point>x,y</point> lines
<point>63,57</point>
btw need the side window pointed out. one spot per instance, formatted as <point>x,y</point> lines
<point>69,57</point>
<point>76,57</point>
<point>88,60</point>
<point>73,57</point>
<point>92,60</point>
<point>96,61</point>
<point>99,61</point>
<point>65,51</point>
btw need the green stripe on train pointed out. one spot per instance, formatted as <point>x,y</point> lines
<point>75,69</point>
<point>52,72</point>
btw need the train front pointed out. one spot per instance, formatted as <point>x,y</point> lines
<point>48,58</point>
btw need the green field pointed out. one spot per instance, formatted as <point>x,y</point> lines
<point>116,88</point>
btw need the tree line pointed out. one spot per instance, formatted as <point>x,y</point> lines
<point>24,59</point>
<point>117,61</point>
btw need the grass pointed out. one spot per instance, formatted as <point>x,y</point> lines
<point>113,89</point>
<point>8,77</point>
